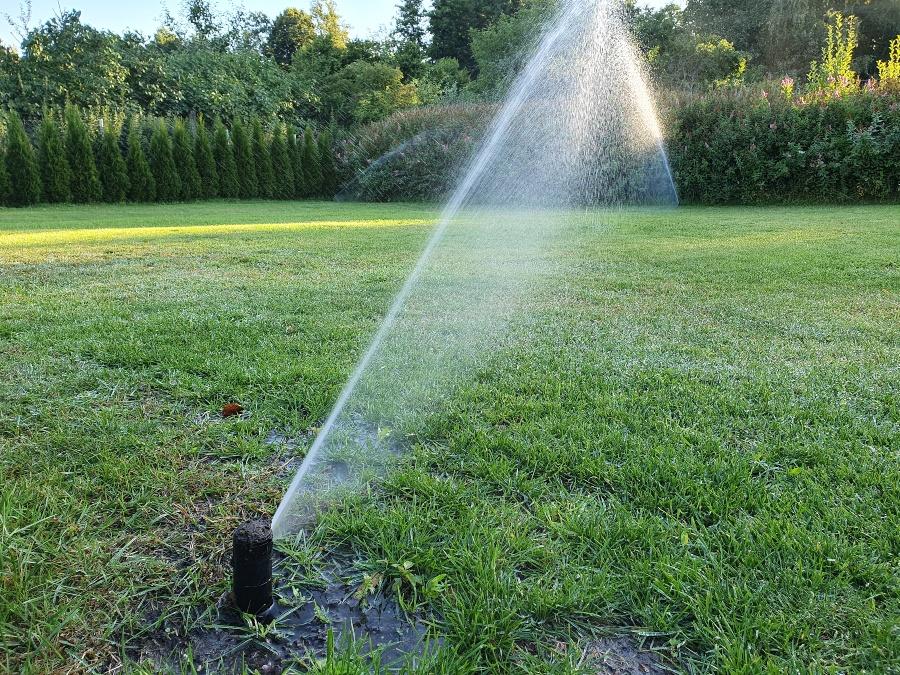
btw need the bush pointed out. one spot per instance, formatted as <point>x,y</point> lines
<point>889,71</point>
<point>729,150</point>
<point>21,166</point>
<point>141,185</point>
<point>834,73</point>
<point>84,183</point>
<point>413,155</point>
<point>726,147</point>
<point>366,92</point>
<point>111,167</point>
<point>54,166</point>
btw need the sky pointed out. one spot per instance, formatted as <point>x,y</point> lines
<point>364,17</point>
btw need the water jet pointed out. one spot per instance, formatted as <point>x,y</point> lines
<point>576,133</point>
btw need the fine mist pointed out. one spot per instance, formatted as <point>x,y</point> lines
<point>577,130</point>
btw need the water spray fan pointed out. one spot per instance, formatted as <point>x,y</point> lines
<point>577,130</point>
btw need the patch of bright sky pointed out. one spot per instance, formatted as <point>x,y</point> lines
<point>364,17</point>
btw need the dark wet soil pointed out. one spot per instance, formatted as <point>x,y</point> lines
<point>299,634</point>
<point>621,656</point>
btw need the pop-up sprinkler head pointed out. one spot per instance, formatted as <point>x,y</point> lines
<point>252,565</point>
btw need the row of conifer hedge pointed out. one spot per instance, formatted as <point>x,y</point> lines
<point>77,158</point>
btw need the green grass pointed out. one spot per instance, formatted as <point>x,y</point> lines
<point>696,439</point>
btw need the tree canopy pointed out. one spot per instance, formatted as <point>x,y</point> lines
<point>302,67</point>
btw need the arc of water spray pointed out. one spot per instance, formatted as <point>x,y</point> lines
<point>500,126</point>
<point>519,125</point>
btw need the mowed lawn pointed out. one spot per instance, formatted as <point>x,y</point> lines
<point>695,441</point>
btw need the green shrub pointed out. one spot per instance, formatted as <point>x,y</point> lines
<point>248,185</point>
<point>226,169</point>
<point>54,166</point>
<point>889,70</point>
<point>263,161</point>
<point>111,166</point>
<point>730,150</point>
<point>414,155</point>
<point>725,147</point>
<point>84,183</point>
<point>183,151</point>
<point>21,165</point>
<point>162,164</point>
<point>367,92</point>
<point>141,185</point>
<point>312,170</point>
<point>282,166</point>
<point>206,163</point>
<point>834,73</point>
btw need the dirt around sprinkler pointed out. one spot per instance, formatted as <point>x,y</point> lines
<point>308,607</point>
<point>621,656</point>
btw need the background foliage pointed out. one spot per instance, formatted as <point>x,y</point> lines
<point>763,100</point>
<point>85,158</point>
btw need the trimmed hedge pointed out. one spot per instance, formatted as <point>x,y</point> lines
<point>726,148</point>
<point>87,159</point>
<point>729,151</point>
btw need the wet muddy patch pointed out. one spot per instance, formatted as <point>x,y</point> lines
<point>621,656</point>
<point>336,603</point>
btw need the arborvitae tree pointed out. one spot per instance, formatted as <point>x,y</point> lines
<point>111,167</point>
<point>141,185</point>
<point>281,166</point>
<point>226,170</point>
<point>52,161</point>
<point>248,187</point>
<point>326,162</point>
<point>84,183</point>
<point>312,171</point>
<point>165,173</point>
<point>21,165</point>
<point>295,152</point>
<point>263,160</point>
<point>183,149</point>
<point>206,163</point>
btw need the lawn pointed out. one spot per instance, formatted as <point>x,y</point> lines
<point>694,443</point>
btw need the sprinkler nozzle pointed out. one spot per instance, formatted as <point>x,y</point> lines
<point>252,566</point>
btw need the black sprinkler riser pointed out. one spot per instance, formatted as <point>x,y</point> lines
<point>252,566</point>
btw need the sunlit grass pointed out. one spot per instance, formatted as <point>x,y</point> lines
<point>694,438</point>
